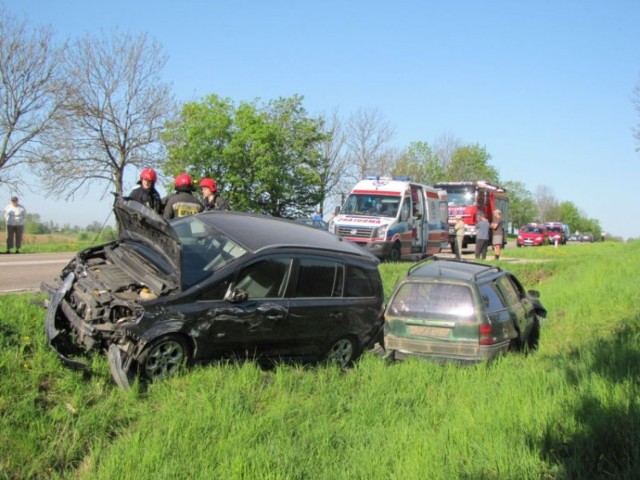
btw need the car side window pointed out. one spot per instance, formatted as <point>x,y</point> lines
<point>509,290</point>
<point>215,292</point>
<point>319,278</point>
<point>358,283</point>
<point>264,279</point>
<point>491,298</point>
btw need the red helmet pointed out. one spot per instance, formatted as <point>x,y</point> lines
<point>148,174</point>
<point>184,180</point>
<point>209,183</point>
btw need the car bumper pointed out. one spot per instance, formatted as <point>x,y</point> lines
<point>400,348</point>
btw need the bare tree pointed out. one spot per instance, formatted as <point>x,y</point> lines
<point>368,136</point>
<point>30,87</point>
<point>444,148</point>
<point>116,108</point>
<point>547,204</point>
<point>335,162</point>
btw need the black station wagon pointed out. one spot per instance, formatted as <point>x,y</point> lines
<point>466,311</point>
<point>212,286</point>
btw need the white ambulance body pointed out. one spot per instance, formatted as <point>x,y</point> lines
<point>392,218</point>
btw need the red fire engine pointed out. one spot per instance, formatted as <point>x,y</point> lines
<point>470,199</point>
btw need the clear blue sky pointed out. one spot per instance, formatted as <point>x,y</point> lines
<point>546,87</point>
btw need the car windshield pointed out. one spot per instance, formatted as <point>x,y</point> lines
<point>371,204</point>
<point>460,197</point>
<point>433,300</point>
<point>204,249</point>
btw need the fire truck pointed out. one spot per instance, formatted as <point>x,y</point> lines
<point>470,200</point>
<point>393,218</point>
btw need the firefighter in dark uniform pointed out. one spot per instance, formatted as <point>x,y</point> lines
<point>182,203</point>
<point>210,197</point>
<point>146,193</point>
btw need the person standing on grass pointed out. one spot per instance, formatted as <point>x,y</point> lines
<point>498,232</point>
<point>459,231</point>
<point>15,215</point>
<point>482,237</point>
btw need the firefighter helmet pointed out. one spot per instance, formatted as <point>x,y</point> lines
<point>148,174</point>
<point>183,180</point>
<point>209,183</point>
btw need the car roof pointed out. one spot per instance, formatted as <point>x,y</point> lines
<point>257,232</point>
<point>452,269</point>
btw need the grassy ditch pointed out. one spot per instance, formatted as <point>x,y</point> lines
<point>569,410</point>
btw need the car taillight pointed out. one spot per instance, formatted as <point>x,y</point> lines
<point>486,331</point>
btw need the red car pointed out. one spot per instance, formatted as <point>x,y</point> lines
<point>533,234</point>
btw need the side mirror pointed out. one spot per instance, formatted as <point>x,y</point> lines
<point>235,295</point>
<point>336,210</point>
<point>533,293</point>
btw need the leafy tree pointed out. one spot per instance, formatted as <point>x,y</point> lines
<point>570,215</point>
<point>471,162</point>
<point>266,157</point>
<point>522,206</point>
<point>30,92</point>
<point>420,164</point>
<point>115,108</point>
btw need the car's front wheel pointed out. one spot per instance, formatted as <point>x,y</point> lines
<point>164,357</point>
<point>342,352</point>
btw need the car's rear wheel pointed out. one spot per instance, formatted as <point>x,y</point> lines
<point>342,352</point>
<point>164,357</point>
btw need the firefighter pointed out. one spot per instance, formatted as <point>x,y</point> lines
<point>211,199</point>
<point>182,202</point>
<point>146,193</point>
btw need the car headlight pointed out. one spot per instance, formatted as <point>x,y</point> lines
<point>381,231</point>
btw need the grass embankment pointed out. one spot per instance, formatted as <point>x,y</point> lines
<point>50,243</point>
<point>570,410</point>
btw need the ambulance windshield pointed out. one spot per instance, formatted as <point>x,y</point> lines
<point>371,204</point>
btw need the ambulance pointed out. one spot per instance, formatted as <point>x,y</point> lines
<point>393,218</point>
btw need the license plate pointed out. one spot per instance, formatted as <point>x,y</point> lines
<point>438,332</point>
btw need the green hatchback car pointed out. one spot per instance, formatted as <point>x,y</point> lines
<point>465,311</point>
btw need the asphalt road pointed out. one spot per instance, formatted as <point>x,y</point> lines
<point>25,272</point>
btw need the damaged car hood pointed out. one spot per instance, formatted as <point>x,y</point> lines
<point>141,224</point>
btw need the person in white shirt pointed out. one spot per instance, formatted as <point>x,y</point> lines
<point>15,215</point>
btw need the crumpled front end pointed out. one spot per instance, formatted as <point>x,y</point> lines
<point>90,306</point>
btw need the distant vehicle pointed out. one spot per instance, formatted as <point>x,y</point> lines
<point>586,237</point>
<point>533,235</point>
<point>556,232</point>
<point>393,218</point>
<point>216,285</point>
<point>466,311</point>
<point>574,237</point>
<point>470,200</point>
<point>310,222</point>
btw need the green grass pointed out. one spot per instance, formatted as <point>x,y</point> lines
<point>569,410</point>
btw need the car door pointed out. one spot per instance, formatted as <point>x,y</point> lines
<point>256,323</point>
<point>520,307</point>
<point>317,310</point>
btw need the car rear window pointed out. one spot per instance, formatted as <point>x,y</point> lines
<point>427,300</point>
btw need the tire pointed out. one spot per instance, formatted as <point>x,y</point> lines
<point>394,255</point>
<point>343,352</point>
<point>164,357</point>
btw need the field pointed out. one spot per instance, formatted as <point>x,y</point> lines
<point>570,410</point>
